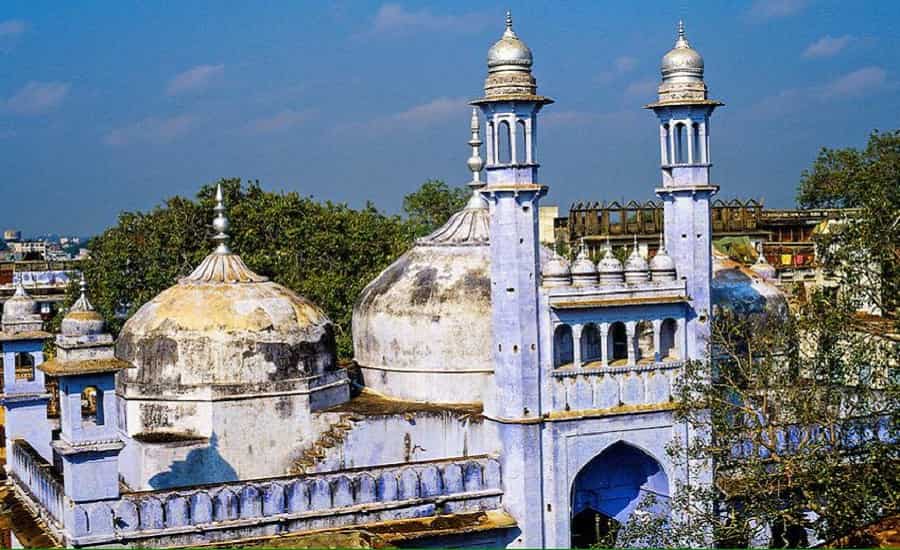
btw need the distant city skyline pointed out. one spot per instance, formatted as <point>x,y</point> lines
<point>110,106</point>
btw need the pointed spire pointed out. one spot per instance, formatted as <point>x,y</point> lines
<point>82,304</point>
<point>681,41</point>
<point>220,224</point>
<point>475,162</point>
<point>509,32</point>
<point>662,242</point>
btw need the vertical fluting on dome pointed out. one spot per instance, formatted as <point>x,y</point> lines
<point>662,267</point>
<point>222,265</point>
<point>584,271</point>
<point>636,268</point>
<point>82,319</point>
<point>609,269</point>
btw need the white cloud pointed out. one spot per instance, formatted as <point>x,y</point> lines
<point>392,18</point>
<point>642,89</point>
<point>622,65</point>
<point>433,112</point>
<point>827,46</point>
<point>38,97</point>
<point>857,83</point>
<point>194,80</point>
<point>278,122</point>
<point>151,130</point>
<point>11,27</point>
<point>763,10</point>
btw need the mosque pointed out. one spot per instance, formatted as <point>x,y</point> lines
<point>503,396</point>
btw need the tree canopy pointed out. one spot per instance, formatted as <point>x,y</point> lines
<point>324,251</point>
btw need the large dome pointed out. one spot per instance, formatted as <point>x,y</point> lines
<point>224,325</point>
<point>422,329</point>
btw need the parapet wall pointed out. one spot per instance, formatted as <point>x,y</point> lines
<point>260,508</point>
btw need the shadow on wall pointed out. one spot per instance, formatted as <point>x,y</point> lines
<point>200,466</point>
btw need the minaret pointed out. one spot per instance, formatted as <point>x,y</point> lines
<point>683,110</point>
<point>510,107</point>
<point>89,442</point>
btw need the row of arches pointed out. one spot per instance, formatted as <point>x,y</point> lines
<point>622,343</point>
<point>510,141</point>
<point>684,142</point>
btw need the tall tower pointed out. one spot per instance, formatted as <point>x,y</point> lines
<point>510,107</point>
<point>683,110</point>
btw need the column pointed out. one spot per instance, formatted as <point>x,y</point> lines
<point>663,139</point>
<point>690,141</point>
<point>489,142</point>
<point>604,344</point>
<point>513,142</point>
<point>576,345</point>
<point>704,157</point>
<point>672,132</point>
<point>657,327</point>
<point>681,339</point>
<point>630,340</point>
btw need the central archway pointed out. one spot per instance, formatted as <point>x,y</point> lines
<point>609,489</point>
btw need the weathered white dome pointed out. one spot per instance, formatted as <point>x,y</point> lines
<point>662,266</point>
<point>20,306</point>
<point>584,271</point>
<point>82,319</point>
<point>636,268</point>
<point>737,288</point>
<point>610,269</point>
<point>422,329</point>
<point>555,271</point>
<point>509,53</point>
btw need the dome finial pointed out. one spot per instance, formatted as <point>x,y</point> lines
<point>82,303</point>
<point>509,19</point>
<point>220,224</point>
<point>681,41</point>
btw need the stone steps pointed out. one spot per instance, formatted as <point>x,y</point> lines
<point>318,451</point>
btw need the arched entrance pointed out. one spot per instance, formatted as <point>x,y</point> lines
<point>609,489</point>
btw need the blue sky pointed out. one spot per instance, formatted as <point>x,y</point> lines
<point>106,106</point>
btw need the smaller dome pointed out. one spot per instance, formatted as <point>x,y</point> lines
<point>21,306</point>
<point>662,266</point>
<point>610,268</point>
<point>556,271</point>
<point>509,53</point>
<point>82,319</point>
<point>682,62</point>
<point>636,268</point>
<point>763,268</point>
<point>584,271</point>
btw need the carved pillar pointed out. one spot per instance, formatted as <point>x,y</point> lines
<point>604,344</point>
<point>631,341</point>
<point>681,339</point>
<point>690,142</point>
<point>513,128</point>
<point>657,353</point>
<point>576,345</point>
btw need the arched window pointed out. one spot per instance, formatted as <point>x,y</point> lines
<point>667,332</point>
<point>643,339</point>
<point>590,343</point>
<point>617,343</point>
<point>92,406</point>
<point>680,144</point>
<point>521,143</point>
<point>24,366</point>
<point>696,144</point>
<point>503,143</point>
<point>563,349</point>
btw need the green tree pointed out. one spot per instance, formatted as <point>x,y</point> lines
<point>324,251</point>
<point>798,418</point>
<point>432,205</point>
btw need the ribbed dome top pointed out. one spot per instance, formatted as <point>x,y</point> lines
<point>82,319</point>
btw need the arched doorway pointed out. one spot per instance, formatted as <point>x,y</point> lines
<point>609,489</point>
<point>618,342</point>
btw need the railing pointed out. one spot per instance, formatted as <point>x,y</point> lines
<point>291,504</point>
<point>613,387</point>
<point>36,476</point>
